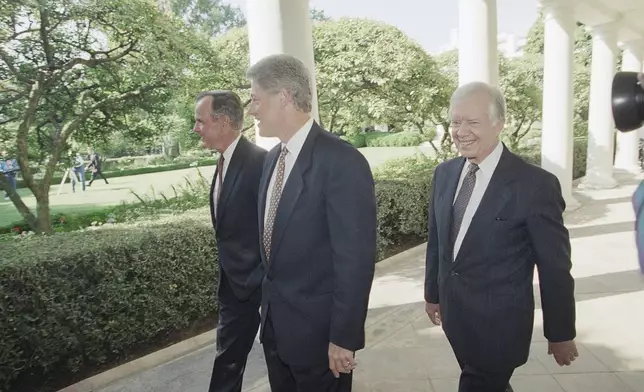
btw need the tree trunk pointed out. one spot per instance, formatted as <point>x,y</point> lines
<point>44,213</point>
<point>20,205</point>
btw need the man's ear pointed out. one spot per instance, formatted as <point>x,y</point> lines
<point>285,98</point>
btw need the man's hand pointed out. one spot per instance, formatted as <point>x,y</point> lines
<point>564,352</point>
<point>434,312</point>
<point>340,360</point>
<point>640,78</point>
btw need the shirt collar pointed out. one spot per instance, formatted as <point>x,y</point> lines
<point>228,154</point>
<point>490,162</point>
<point>295,144</point>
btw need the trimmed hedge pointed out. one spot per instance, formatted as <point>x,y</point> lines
<point>402,190</point>
<point>385,139</point>
<point>74,301</point>
<point>580,151</point>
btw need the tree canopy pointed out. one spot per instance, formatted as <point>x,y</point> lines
<point>80,68</point>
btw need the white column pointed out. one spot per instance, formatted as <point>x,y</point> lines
<point>601,126</point>
<point>557,130</point>
<point>627,142</point>
<point>477,42</point>
<point>281,26</point>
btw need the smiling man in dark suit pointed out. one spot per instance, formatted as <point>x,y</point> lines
<point>492,218</point>
<point>233,208</point>
<point>317,212</point>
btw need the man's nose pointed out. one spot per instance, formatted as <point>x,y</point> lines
<point>463,130</point>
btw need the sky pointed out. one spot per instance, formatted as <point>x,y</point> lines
<point>428,22</point>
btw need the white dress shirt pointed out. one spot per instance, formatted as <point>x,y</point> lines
<point>294,146</point>
<point>228,155</point>
<point>483,176</point>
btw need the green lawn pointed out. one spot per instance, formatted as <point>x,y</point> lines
<point>120,189</point>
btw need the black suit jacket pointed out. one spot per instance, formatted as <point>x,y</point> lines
<point>237,225</point>
<point>486,295</point>
<point>323,250</point>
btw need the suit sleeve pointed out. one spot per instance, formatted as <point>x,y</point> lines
<point>551,245</point>
<point>352,219</point>
<point>431,257</point>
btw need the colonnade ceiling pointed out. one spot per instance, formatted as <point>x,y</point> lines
<point>626,16</point>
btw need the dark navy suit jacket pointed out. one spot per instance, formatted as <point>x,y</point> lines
<point>486,294</point>
<point>236,225</point>
<point>323,250</point>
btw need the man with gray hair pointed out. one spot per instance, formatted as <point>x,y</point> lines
<point>492,218</point>
<point>219,119</point>
<point>318,227</point>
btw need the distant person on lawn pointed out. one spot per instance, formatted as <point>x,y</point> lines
<point>95,166</point>
<point>78,168</point>
<point>9,169</point>
<point>219,119</point>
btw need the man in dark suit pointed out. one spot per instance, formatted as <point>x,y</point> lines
<point>317,212</point>
<point>233,208</point>
<point>492,218</point>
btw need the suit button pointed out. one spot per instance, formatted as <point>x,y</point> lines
<point>453,273</point>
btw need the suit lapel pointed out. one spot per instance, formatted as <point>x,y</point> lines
<point>212,198</point>
<point>495,197</point>
<point>453,176</point>
<point>234,168</point>
<point>293,188</point>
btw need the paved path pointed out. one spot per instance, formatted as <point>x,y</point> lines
<point>406,353</point>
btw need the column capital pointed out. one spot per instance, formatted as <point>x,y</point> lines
<point>607,31</point>
<point>635,47</point>
<point>559,9</point>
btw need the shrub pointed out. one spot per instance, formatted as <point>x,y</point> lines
<point>358,140</point>
<point>76,300</point>
<point>400,139</point>
<point>402,191</point>
<point>386,139</point>
<point>580,150</point>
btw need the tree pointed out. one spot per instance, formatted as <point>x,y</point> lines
<point>582,49</point>
<point>318,15</point>
<point>520,81</point>
<point>535,40</point>
<point>448,66</point>
<point>209,17</point>
<point>582,55</point>
<point>78,68</point>
<point>368,72</point>
<point>232,61</point>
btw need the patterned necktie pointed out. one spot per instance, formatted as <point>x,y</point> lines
<point>275,199</point>
<point>462,200</point>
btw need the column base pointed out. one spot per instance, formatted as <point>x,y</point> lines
<point>572,204</point>
<point>595,181</point>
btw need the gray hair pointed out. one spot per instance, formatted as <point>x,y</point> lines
<point>282,71</point>
<point>497,110</point>
<point>227,103</point>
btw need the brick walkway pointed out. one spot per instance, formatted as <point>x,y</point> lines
<point>407,353</point>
